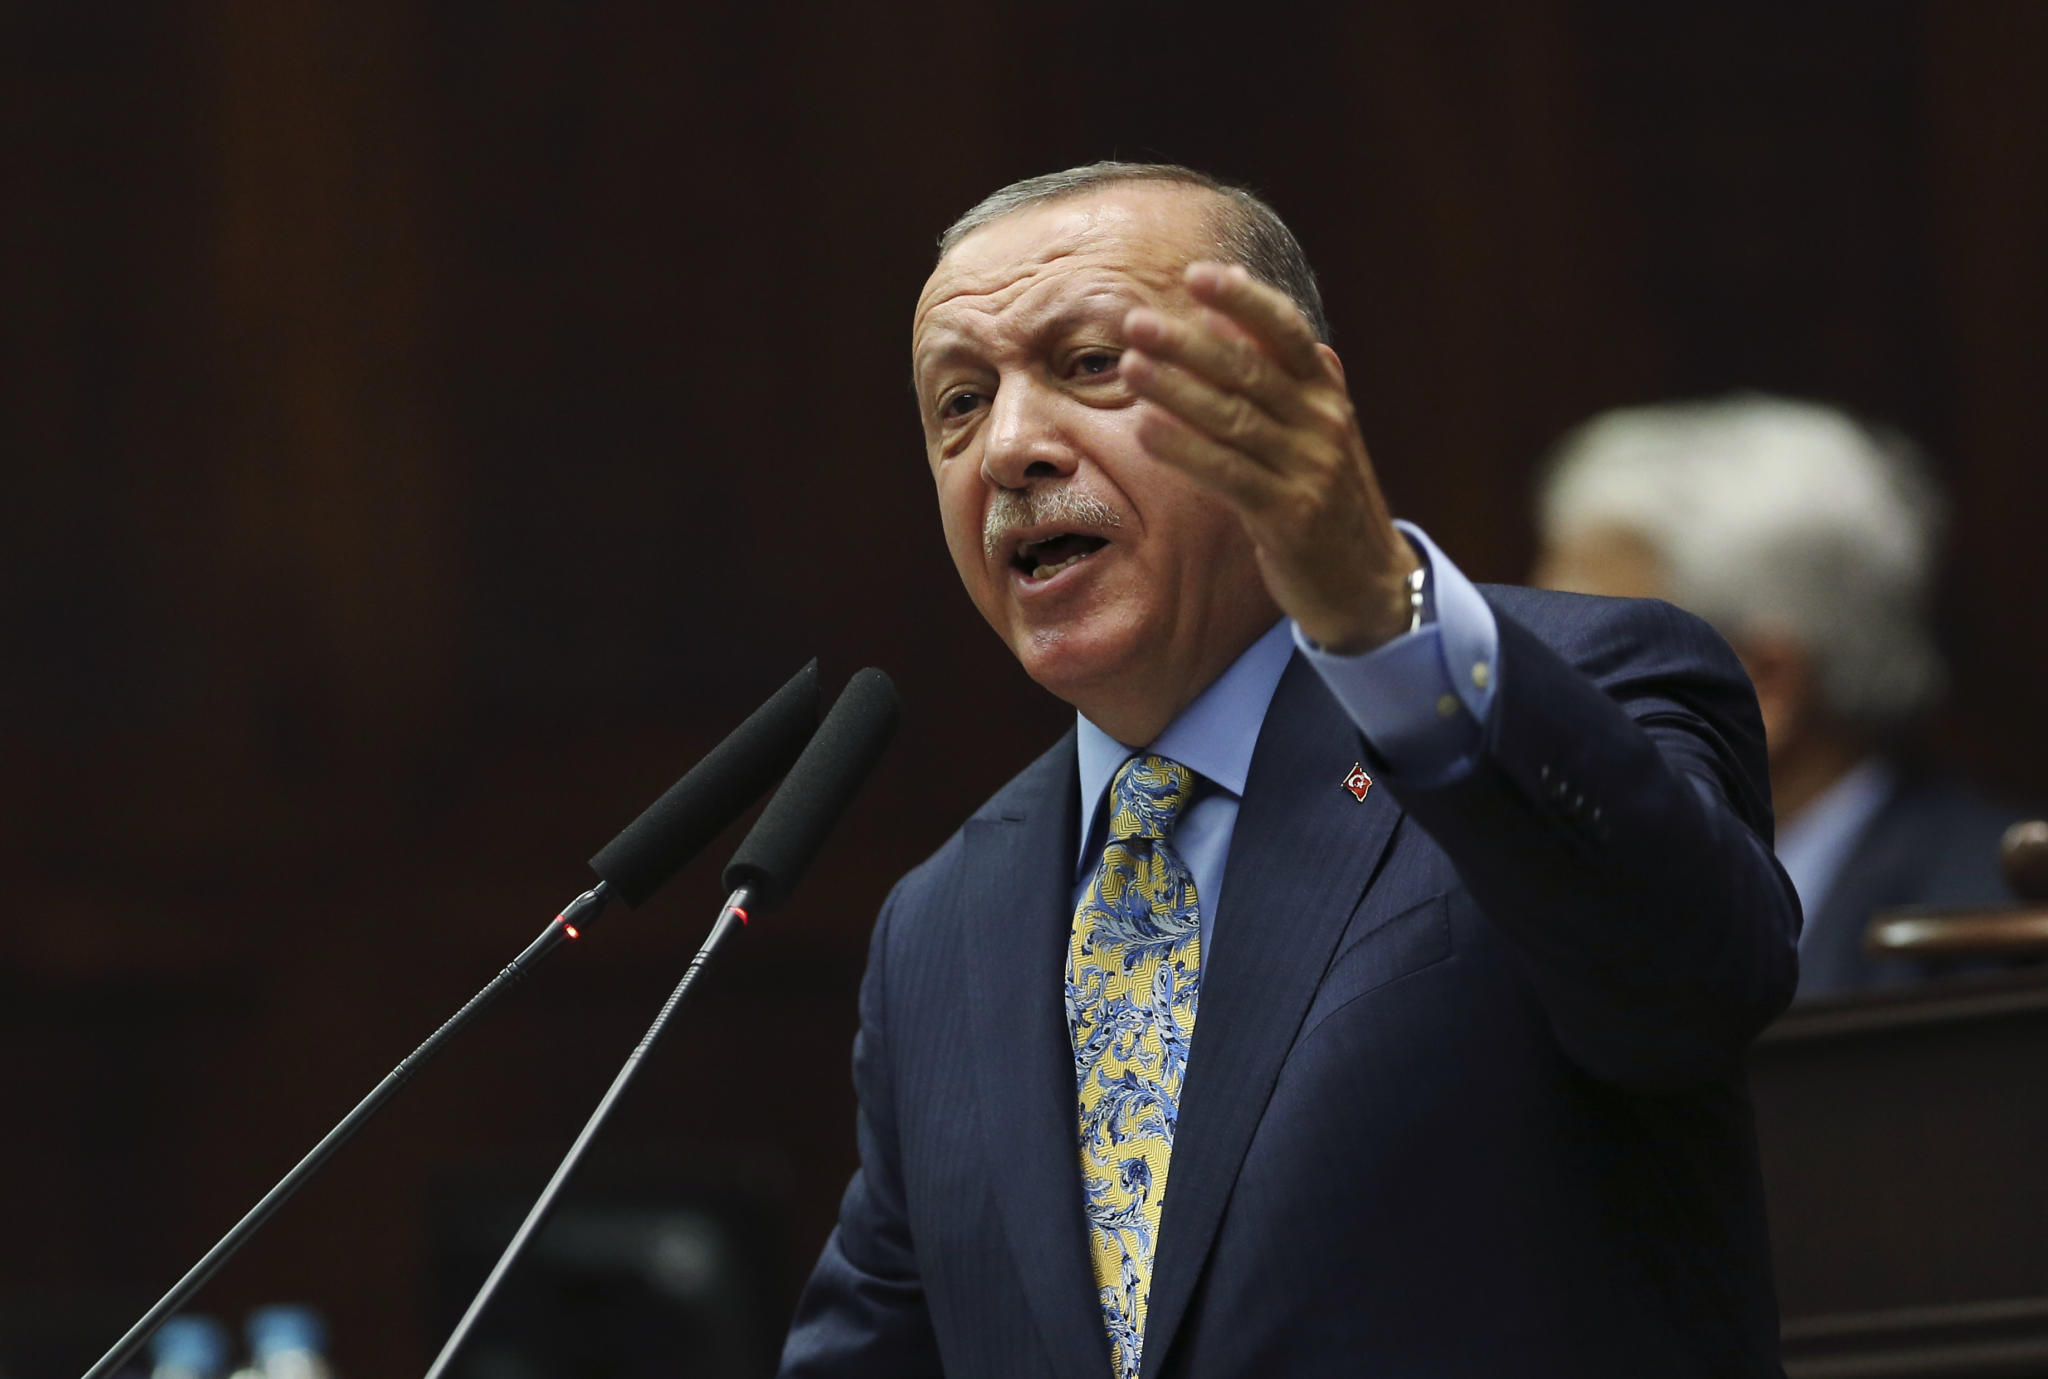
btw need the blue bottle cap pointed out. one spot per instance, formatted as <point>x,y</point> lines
<point>285,1327</point>
<point>191,1341</point>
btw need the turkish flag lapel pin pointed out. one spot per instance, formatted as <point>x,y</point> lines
<point>1358,782</point>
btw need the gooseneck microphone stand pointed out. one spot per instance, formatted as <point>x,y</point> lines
<point>563,927</point>
<point>774,856</point>
<point>734,913</point>
<point>633,866</point>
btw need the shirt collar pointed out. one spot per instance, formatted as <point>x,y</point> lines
<point>1214,736</point>
<point>1813,845</point>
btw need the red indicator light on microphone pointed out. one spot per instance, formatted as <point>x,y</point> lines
<point>741,913</point>
<point>572,931</point>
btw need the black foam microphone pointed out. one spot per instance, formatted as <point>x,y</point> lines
<point>816,792</point>
<point>776,853</point>
<point>716,791</point>
<point>633,865</point>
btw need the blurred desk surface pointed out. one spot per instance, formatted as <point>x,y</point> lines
<point>1904,1137</point>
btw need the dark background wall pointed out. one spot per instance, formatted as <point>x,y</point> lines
<point>427,427</point>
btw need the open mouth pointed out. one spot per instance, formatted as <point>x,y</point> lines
<point>1043,559</point>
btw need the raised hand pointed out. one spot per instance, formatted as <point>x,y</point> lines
<point>1251,405</point>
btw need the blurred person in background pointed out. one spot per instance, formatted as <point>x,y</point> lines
<point>1809,540</point>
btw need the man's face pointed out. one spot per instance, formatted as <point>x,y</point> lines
<point>1106,572</point>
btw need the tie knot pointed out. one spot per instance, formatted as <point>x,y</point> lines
<point>1148,793</point>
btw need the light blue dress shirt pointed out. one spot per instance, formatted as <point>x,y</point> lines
<point>1815,843</point>
<point>1421,700</point>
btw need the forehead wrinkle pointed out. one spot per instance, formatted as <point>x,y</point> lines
<point>1011,280</point>
<point>976,302</point>
<point>1029,309</point>
<point>1102,221</point>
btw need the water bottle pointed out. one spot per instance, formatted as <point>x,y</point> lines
<point>189,1346</point>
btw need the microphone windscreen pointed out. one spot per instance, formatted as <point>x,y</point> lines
<point>715,791</point>
<point>816,792</point>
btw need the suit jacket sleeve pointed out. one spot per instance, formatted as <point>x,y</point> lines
<point>1617,827</point>
<point>863,1311</point>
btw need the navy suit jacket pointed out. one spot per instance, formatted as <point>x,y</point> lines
<point>1465,1095</point>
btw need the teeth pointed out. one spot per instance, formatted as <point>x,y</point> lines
<point>1048,571</point>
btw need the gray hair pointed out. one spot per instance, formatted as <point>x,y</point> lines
<point>1775,515</point>
<point>1246,229</point>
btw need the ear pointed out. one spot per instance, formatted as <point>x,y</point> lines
<point>1331,361</point>
<point>1785,692</point>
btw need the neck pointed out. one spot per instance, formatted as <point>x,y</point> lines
<point>1135,707</point>
<point>1135,719</point>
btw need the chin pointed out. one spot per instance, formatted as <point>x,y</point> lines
<point>1076,663</point>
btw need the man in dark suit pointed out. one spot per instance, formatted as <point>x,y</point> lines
<point>1809,540</point>
<point>1361,988</point>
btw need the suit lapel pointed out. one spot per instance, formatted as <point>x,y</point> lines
<point>1301,854</point>
<point>1018,909</point>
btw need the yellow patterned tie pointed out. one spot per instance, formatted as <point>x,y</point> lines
<point>1134,970</point>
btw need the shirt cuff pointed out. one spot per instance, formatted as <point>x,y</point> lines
<point>1422,699</point>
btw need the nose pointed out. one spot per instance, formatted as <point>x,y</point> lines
<point>1024,442</point>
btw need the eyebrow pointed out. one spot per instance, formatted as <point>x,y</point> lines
<point>1107,302</point>
<point>1091,308</point>
<point>952,351</point>
<point>952,347</point>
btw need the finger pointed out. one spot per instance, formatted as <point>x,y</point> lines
<point>1219,351</point>
<point>1230,418</point>
<point>1232,474</point>
<point>1269,314</point>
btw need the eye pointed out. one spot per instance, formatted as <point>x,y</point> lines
<point>1095,362</point>
<point>959,404</point>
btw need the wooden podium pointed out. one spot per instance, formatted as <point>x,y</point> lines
<point>1905,1153</point>
<point>1904,1137</point>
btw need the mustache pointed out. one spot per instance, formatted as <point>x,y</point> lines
<point>1014,509</point>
